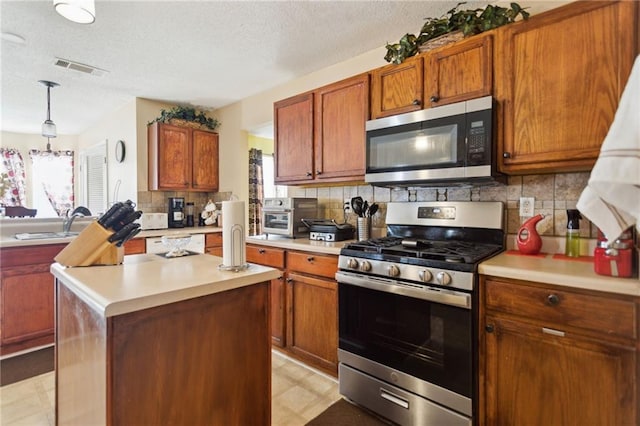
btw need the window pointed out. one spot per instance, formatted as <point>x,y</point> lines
<point>271,190</point>
<point>52,182</point>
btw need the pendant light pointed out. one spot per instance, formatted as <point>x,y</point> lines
<point>48,127</point>
<point>79,11</point>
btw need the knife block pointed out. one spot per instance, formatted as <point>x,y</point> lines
<point>91,247</point>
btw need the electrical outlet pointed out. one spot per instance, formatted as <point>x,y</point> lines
<point>526,206</point>
<point>347,205</point>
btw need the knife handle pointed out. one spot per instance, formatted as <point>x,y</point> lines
<point>103,219</point>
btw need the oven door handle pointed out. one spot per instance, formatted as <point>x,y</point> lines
<point>432,294</point>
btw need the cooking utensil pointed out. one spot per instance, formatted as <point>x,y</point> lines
<point>365,209</point>
<point>373,209</point>
<point>128,237</point>
<point>107,215</point>
<point>122,233</point>
<point>356,205</point>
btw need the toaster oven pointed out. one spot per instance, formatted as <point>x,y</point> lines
<point>283,216</point>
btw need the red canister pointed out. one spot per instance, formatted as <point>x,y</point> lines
<point>614,259</point>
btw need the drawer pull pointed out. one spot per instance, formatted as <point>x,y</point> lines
<point>310,259</point>
<point>261,251</point>
<point>489,328</point>
<point>280,278</point>
<point>553,299</point>
<point>552,332</point>
<point>289,280</point>
<point>385,394</point>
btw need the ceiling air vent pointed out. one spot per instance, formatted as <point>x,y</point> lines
<point>87,69</point>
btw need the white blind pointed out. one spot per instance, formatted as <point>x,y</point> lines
<point>95,178</point>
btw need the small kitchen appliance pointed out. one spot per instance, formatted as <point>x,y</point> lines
<point>153,221</point>
<point>283,216</point>
<point>437,146</point>
<point>176,212</point>
<point>407,310</point>
<point>329,230</point>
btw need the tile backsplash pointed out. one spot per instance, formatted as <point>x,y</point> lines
<point>158,201</point>
<point>553,194</point>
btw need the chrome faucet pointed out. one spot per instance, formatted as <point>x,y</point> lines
<point>67,221</point>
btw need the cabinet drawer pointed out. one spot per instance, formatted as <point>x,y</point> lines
<point>213,239</point>
<point>561,308</point>
<point>312,263</point>
<point>265,256</point>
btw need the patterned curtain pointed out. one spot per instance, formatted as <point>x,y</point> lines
<point>256,191</point>
<point>53,172</point>
<point>13,184</point>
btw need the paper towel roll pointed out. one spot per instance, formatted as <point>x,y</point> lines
<point>233,238</point>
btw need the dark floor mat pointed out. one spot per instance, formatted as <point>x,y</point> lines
<point>22,367</point>
<point>343,413</point>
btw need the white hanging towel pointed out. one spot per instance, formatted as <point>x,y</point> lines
<point>611,199</point>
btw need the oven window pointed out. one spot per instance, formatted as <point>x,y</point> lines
<point>276,220</point>
<point>426,340</point>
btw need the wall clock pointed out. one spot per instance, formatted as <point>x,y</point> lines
<point>120,151</point>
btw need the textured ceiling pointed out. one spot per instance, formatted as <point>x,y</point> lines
<point>202,53</point>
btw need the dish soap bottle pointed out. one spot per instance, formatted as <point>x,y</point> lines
<point>572,245</point>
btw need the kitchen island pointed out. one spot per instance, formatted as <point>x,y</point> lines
<point>163,341</point>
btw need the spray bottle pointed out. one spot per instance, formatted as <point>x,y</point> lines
<point>572,246</point>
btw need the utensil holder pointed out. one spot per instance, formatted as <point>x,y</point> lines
<point>91,247</point>
<point>364,228</point>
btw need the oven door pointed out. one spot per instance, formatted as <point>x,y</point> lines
<point>424,332</point>
<point>278,222</point>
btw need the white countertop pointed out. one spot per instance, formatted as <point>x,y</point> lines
<point>7,239</point>
<point>546,269</point>
<point>302,244</point>
<point>147,280</point>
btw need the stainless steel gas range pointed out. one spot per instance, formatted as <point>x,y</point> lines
<point>408,311</point>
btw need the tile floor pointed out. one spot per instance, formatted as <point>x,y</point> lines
<point>298,395</point>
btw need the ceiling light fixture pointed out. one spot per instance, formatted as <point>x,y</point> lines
<point>79,11</point>
<point>48,127</point>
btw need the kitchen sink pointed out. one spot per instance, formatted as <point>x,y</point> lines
<point>44,235</point>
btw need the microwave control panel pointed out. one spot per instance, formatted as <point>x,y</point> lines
<point>478,134</point>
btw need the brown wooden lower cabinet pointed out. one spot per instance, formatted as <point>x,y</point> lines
<point>26,297</point>
<point>555,355</point>
<point>135,246</point>
<point>304,304</point>
<point>202,361</point>
<point>213,243</point>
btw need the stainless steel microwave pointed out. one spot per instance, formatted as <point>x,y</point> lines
<point>446,145</point>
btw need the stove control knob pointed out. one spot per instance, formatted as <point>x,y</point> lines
<point>443,278</point>
<point>365,266</point>
<point>352,263</point>
<point>425,275</point>
<point>393,271</point>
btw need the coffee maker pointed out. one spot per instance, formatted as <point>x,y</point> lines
<point>176,212</point>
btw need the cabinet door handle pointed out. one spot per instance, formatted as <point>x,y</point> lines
<point>280,278</point>
<point>489,328</point>
<point>309,174</point>
<point>506,155</point>
<point>310,259</point>
<point>416,102</point>
<point>261,251</point>
<point>289,280</point>
<point>553,299</point>
<point>553,332</point>
<point>434,98</point>
<point>318,172</point>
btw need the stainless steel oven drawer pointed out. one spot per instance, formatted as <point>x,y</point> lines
<point>395,404</point>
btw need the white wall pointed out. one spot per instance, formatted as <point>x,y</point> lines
<point>119,125</point>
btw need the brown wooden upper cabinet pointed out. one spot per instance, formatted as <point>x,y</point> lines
<point>396,89</point>
<point>182,158</point>
<point>319,135</point>
<point>559,77</point>
<point>459,72</point>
